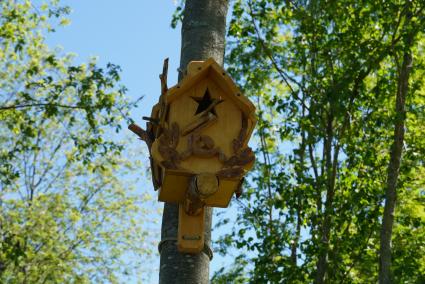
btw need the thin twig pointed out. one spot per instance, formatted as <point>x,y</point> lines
<point>285,77</point>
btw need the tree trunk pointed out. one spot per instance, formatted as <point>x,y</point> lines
<point>326,223</point>
<point>203,36</point>
<point>296,240</point>
<point>394,165</point>
<point>301,171</point>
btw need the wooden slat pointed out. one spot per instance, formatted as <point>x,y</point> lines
<point>190,238</point>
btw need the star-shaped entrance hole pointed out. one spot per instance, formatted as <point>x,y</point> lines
<point>206,103</point>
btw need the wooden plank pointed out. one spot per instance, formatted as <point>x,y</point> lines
<point>190,237</point>
<point>224,194</point>
<point>230,89</point>
<point>200,121</point>
<point>174,186</point>
<point>176,183</point>
<point>185,85</point>
<point>194,67</point>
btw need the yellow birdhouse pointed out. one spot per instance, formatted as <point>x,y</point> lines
<point>198,135</point>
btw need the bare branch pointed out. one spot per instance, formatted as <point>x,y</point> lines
<point>40,105</point>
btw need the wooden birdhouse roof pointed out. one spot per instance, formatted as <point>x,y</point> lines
<point>210,69</point>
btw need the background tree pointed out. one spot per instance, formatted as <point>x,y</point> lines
<point>325,81</point>
<point>67,215</point>
<point>412,24</point>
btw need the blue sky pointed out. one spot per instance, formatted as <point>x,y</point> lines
<point>133,34</point>
<point>137,36</point>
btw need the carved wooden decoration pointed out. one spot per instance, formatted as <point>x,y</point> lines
<point>197,136</point>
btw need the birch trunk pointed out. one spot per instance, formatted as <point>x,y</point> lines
<point>394,167</point>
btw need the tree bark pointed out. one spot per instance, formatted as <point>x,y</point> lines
<point>394,165</point>
<point>294,245</point>
<point>326,223</point>
<point>301,170</point>
<point>203,36</point>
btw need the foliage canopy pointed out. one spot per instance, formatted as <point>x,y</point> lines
<point>67,215</point>
<point>325,75</point>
